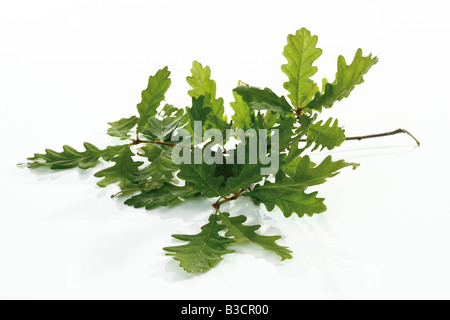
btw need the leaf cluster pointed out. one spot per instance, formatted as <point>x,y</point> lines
<point>142,165</point>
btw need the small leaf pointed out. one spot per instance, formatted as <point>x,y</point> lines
<point>243,233</point>
<point>203,85</point>
<point>305,121</point>
<point>122,128</point>
<point>203,250</point>
<point>153,96</point>
<point>216,118</point>
<point>201,82</point>
<point>285,131</point>
<point>326,135</point>
<point>266,99</point>
<point>243,116</point>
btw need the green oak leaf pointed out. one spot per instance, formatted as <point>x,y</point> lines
<point>308,174</point>
<point>223,169</point>
<point>264,99</point>
<point>203,85</point>
<point>288,192</point>
<point>199,111</point>
<point>168,110</point>
<point>249,174</point>
<point>201,81</point>
<point>152,97</point>
<point>112,151</point>
<point>301,52</point>
<point>291,167</point>
<point>216,118</point>
<point>326,136</point>
<point>162,129</point>
<point>347,77</point>
<point>202,178</point>
<point>289,201</point>
<point>150,151</point>
<point>124,171</point>
<point>243,115</point>
<point>243,174</point>
<point>305,122</point>
<point>121,129</point>
<point>271,118</point>
<point>161,170</point>
<point>244,233</point>
<point>167,194</point>
<point>71,158</point>
<point>203,250</point>
<point>286,131</point>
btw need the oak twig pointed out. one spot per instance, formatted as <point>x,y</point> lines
<point>379,135</point>
<point>139,141</point>
<point>217,204</point>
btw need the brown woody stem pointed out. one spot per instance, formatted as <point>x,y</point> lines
<point>139,141</point>
<point>217,204</point>
<point>378,135</point>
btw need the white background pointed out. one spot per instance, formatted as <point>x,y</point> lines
<point>68,67</point>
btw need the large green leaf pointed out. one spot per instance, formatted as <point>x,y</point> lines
<point>202,177</point>
<point>203,250</point>
<point>124,172</point>
<point>71,158</point>
<point>112,151</point>
<point>245,170</point>
<point>244,233</point>
<point>153,96</point>
<point>121,128</point>
<point>259,99</point>
<point>289,201</point>
<point>347,77</point>
<point>161,170</point>
<point>327,135</point>
<point>249,174</point>
<point>301,52</point>
<point>162,129</point>
<point>288,192</point>
<point>167,194</point>
<point>308,174</point>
